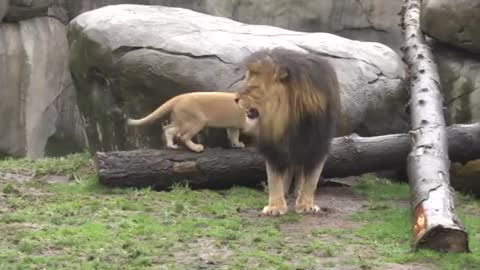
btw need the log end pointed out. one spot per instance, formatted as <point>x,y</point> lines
<point>438,237</point>
<point>444,240</point>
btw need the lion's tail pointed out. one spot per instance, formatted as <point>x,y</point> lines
<point>160,112</point>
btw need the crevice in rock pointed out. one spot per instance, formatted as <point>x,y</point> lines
<point>380,76</point>
<point>290,33</point>
<point>379,73</point>
<point>236,81</point>
<point>449,102</point>
<point>125,49</point>
<point>374,80</point>
<point>58,95</point>
<point>361,28</point>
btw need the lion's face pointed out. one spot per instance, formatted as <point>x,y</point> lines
<point>264,80</point>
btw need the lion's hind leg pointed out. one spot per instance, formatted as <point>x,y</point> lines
<point>277,205</point>
<point>170,131</point>
<point>307,185</point>
<point>188,131</point>
<point>234,138</point>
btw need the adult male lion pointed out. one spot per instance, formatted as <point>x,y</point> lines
<point>297,98</point>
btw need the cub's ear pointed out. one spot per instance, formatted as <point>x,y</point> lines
<point>282,74</point>
<point>254,67</point>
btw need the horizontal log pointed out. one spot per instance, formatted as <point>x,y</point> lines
<point>223,168</point>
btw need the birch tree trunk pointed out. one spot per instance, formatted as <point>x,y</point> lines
<point>436,225</point>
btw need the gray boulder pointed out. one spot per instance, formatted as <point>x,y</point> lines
<point>37,98</point>
<point>3,8</point>
<point>460,76</point>
<point>366,20</point>
<point>76,7</point>
<point>27,9</point>
<point>453,22</point>
<point>128,59</point>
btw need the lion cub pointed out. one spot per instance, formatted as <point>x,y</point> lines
<point>191,112</point>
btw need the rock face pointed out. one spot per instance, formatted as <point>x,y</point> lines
<point>76,7</point>
<point>38,109</point>
<point>128,59</point>
<point>24,9</point>
<point>369,20</point>
<point>3,8</point>
<point>460,76</point>
<point>453,22</point>
<point>366,20</point>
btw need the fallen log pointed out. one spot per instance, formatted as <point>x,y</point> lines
<point>436,225</point>
<point>223,168</point>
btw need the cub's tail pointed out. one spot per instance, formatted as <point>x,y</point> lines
<point>160,112</point>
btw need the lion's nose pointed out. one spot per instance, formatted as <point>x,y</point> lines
<point>236,100</point>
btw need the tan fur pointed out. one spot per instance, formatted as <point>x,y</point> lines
<point>305,187</point>
<point>282,101</point>
<point>276,191</point>
<point>190,113</point>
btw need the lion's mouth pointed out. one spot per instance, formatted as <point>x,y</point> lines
<point>253,113</point>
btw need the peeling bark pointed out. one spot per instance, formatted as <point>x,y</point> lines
<point>436,225</point>
<point>223,168</point>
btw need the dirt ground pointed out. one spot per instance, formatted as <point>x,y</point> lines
<point>337,205</point>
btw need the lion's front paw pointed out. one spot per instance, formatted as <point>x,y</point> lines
<point>307,208</point>
<point>273,210</point>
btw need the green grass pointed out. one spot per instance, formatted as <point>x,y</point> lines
<point>388,227</point>
<point>376,188</point>
<point>82,225</point>
<point>62,165</point>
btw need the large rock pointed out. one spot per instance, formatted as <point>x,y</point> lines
<point>37,98</point>
<point>76,7</point>
<point>132,58</point>
<point>366,20</point>
<point>3,8</point>
<point>27,9</point>
<point>453,22</point>
<point>369,20</point>
<point>460,76</point>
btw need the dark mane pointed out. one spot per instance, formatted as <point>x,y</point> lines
<point>313,97</point>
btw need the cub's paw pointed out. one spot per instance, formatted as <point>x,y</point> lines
<point>273,210</point>
<point>172,146</point>
<point>238,145</point>
<point>197,148</point>
<point>307,208</point>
